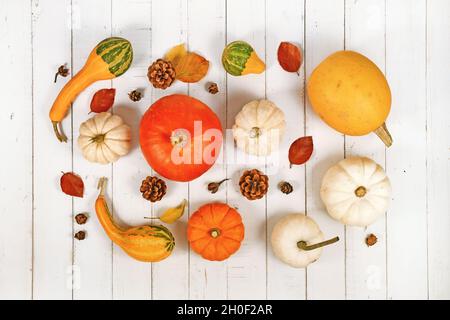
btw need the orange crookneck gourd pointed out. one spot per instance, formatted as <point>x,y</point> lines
<point>109,59</point>
<point>147,243</point>
<point>215,231</point>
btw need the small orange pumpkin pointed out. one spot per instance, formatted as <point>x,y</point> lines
<point>215,231</point>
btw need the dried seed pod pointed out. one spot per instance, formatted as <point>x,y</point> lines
<point>371,239</point>
<point>63,71</point>
<point>81,218</point>
<point>80,235</point>
<point>213,187</point>
<point>213,88</point>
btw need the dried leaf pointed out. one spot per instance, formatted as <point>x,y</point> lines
<point>191,68</point>
<point>176,53</point>
<point>289,57</point>
<point>173,214</point>
<point>301,150</point>
<point>72,184</point>
<point>103,100</point>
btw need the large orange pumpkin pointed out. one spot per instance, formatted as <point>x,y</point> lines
<point>215,231</point>
<point>180,137</point>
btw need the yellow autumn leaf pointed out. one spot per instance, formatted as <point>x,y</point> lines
<point>173,214</point>
<point>191,68</point>
<point>176,53</point>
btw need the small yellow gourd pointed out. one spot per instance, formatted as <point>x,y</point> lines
<point>239,58</point>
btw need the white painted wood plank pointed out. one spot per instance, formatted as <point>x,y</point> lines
<point>16,201</point>
<point>92,256</point>
<point>285,23</point>
<point>438,148</point>
<point>208,280</point>
<point>171,276</point>
<point>247,268</point>
<point>52,208</point>
<point>366,266</point>
<point>132,20</point>
<point>324,35</point>
<point>418,162</point>
<point>406,159</point>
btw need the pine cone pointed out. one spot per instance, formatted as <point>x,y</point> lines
<point>135,95</point>
<point>153,189</point>
<point>161,74</point>
<point>253,184</point>
<point>285,187</point>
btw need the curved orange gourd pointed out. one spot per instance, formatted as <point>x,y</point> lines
<point>146,243</point>
<point>109,59</point>
<point>215,231</point>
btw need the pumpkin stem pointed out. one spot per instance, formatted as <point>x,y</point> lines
<point>302,245</point>
<point>179,138</point>
<point>383,133</point>
<point>214,233</point>
<point>360,191</point>
<point>60,135</point>
<point>99,138</point>
<point>255,132</point>
<point>102,186</point>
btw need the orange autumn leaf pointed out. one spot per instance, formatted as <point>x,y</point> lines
<point>301,150</point>
<point>72,184</point>
<point>289,57</point>
<point>191,68</point>
<point>175,54</point>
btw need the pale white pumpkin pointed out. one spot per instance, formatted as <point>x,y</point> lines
<point>259,128</point>
<point>104,138</point>
<point>356,191</point>
<point>286,235</point>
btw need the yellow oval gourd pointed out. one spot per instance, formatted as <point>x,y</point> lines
<point>350,93</point>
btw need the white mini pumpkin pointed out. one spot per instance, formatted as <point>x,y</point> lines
<point>104,138</point>
<point>259,127</point>
<point>297,240</point>
<point>356,191</point>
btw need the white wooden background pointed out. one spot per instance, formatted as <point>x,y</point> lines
<point>409,40</point>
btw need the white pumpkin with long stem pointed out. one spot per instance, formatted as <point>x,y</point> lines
<point>297,240</point>
<point>259,127</point>
<point>104,138</point>
<point>356,191</point>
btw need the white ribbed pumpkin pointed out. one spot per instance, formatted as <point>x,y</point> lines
<point>104,138</point>
<point>259,127</point>
<point>356,191</point>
